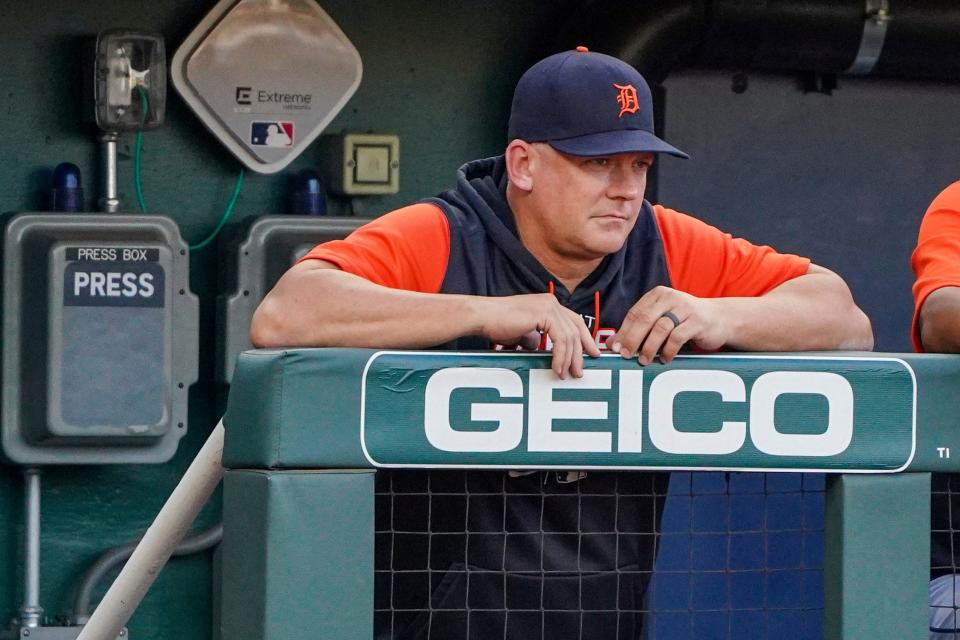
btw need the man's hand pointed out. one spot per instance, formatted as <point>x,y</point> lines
<point>513,320</point>
<point>811,312</point>
<point>308,306</point>
<point>647,329</point>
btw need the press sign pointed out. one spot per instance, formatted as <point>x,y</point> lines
<point>113,277</point>
<point>761,412</point>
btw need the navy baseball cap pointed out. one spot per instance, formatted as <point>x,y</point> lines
<point>586,104</point>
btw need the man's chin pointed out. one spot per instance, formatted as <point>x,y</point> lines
<point>608,243</point>
<point>611,232</point>
<point>600,251</point>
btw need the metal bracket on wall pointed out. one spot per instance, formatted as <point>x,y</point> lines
<point>53,633</point>
<point>875,22</point>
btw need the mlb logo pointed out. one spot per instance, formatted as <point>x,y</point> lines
<point>271,134</point>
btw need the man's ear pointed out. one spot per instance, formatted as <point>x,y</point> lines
<point>521,161</point>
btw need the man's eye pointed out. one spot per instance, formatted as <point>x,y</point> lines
<point>600,162</point>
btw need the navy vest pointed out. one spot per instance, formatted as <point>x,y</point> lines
<point>488,259</point>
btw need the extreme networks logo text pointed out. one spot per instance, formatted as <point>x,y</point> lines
<point>246,96</point>
<point>543,411</point>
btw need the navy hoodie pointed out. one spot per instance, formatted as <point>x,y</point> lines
<point>534,555</point>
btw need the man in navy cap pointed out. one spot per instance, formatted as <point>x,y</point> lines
<point>553,246</point>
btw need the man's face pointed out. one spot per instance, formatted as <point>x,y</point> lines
<point>587,206</point>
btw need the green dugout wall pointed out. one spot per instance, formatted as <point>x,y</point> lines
<point>306,427</point>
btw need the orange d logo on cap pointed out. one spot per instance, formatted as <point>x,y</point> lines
<point>627,99</point>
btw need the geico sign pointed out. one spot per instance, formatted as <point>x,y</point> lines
<point>543,410</point>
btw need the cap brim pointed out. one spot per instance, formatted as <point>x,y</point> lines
<point>612,142</point>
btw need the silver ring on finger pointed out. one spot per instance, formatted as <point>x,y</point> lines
<point>672,317</point>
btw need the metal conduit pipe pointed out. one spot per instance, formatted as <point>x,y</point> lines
<point>918,39</point>
<point>111,558</point>
<point>656,36</point>
<point>110,202</point>
<point>784,35</point>
<point>31,611</point>
<point>922,41</point>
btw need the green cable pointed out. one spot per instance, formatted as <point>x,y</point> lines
<point>138,183</point>
<point>224,217</point>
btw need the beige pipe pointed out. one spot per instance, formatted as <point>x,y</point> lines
<point>168,529</point>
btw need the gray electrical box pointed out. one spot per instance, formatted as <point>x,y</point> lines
<point>271,245</point>
<point>99,338</point>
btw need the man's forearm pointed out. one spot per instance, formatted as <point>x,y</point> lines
<point>811,312</point>
<point>319,307</point>
<point>940,321</point>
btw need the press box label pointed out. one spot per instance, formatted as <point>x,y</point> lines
<point>113,277</point>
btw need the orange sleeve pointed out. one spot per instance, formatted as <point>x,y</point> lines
<point>708,263</point>
<point>404,249</point>
<point>936,260</point>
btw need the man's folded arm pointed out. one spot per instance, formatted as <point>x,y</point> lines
<point>810,312</point>
<point>315,304</point>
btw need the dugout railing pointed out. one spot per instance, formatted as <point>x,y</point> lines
<point>307,429</point>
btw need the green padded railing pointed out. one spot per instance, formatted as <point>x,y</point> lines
<point>304,424</point>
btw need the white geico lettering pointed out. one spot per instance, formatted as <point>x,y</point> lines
<point>508,416</point>
<point>664,434</point>
<point>544,410</point>
<point>770,386</point>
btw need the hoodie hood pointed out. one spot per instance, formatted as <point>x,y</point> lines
<point>487,258</point>
<point>482,186</point>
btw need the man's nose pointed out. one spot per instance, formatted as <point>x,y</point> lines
<point>625,184</point>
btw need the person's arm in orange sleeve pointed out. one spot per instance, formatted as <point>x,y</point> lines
<point>936,263</point>
<point>379,289</point>
<point>938,324</point>
<point>729,293</point>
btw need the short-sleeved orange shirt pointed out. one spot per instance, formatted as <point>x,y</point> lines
<point>708,263</point>
<point>409,248</point>
<point>936,260</point>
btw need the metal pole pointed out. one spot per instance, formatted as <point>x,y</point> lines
<point>170,526</point>
<point>110,202</point>
<point>31,612</point>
